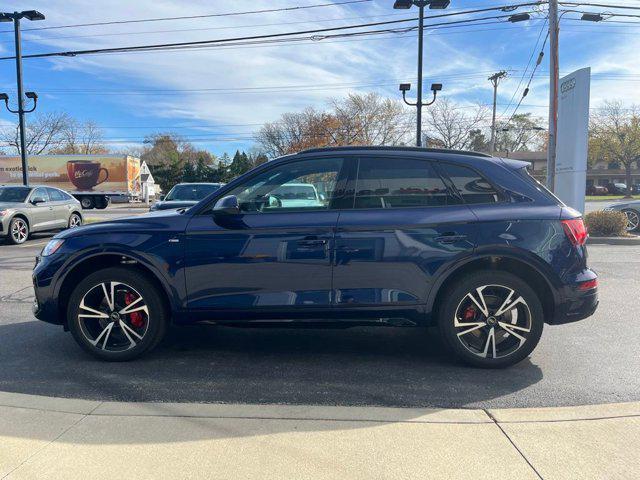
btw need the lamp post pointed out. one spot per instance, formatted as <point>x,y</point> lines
<point>15,17</point>
<point>421,4</point>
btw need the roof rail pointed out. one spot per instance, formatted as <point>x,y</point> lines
<point>401,148</point>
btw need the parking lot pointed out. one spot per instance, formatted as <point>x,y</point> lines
<point>593,361</point>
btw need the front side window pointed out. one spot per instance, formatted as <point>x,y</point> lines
<point>399,183</point>
<point>304,185</point>
<point>470,185</point>
<point>40,192</point>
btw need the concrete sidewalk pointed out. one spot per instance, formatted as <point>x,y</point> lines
<point>43,437</point>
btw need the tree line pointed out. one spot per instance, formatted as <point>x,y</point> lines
<point>357,119</point>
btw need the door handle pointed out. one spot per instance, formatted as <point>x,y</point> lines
<point>312,243</point>
<point>450,238</point>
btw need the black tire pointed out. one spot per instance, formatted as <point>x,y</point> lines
<point>75,220</point>
<point>18,231</point>
<point>468,346</point>
<point>87,203</point>
<point>156,319</point>
<point>102,202</point>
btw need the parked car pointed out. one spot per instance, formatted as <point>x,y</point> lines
<point>25,210</point>
<point>617,188</point>
<point>596,190</point>
<point>185,195</point>
<point>408,237</point>
<point>631,210</point>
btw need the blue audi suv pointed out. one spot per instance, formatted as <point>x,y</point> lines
<point>399,237</point>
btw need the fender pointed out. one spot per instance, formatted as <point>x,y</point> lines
<point>487,252</point>
<point>174,289</point>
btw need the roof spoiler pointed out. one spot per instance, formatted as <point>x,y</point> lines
<point>515,164</point>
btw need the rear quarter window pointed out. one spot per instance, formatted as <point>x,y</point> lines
<point>470,185</point>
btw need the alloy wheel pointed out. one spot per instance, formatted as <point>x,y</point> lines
<point>633,220</point>
<point>113,316</point>
<point>74,221</point>
<point>19,230</point>
<point>493,321</point>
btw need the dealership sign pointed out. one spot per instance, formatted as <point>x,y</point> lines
<point>573,138</point>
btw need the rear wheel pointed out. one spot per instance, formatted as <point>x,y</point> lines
<point>18,231</point>
<point>116,314</point>
<point>102,202</point>
<point>75,220</point>
<point>633,219</point>
<point>491,319</point>
<point>87,203</point>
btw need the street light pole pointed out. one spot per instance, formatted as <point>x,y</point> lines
<point>554,80</point>
<point>421,4</point>
<point>16,17</point>
<point>419,98</point>
<point>21,112</point>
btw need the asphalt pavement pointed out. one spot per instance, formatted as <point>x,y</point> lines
<point>593,361</point>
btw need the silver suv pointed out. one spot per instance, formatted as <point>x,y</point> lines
<point>24,210</point>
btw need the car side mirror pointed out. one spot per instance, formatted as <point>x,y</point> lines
<point>227,206</point>
<point>37,200</point>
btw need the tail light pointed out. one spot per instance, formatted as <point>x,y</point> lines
<point>576,231</point>
<point>588,285</point>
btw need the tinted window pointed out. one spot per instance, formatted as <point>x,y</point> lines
<point>191,192</point>
<point>14,194</point>
<point>55,195</point>
<point>40,192</point>
<point>307,185</point>
<point>399,182</point>
<point>472,187</point>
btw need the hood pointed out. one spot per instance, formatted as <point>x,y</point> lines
<point>161,221</point>
<point>8,205</point>
<point>167,204</point>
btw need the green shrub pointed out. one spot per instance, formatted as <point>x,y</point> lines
<point>606,224</point>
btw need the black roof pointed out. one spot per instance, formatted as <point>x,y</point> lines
<point>396,148</point>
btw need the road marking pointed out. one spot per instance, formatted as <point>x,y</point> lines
<point>26,245</point>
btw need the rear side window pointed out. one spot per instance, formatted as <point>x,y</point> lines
<point>471,186</point>
<point>399,183</point>
<point>55,195</point>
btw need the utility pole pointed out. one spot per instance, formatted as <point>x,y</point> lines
<point>495,81</point>
<point>554,80</point>
<point>15,17</point>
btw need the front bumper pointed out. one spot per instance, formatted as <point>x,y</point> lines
<point>45,304</point>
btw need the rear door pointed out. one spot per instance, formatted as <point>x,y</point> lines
<point>405,226</point>
<point>60,207</point>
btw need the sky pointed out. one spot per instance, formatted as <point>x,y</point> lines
<point>218,97</point>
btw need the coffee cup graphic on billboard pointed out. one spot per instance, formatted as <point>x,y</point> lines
<point>85,174</point>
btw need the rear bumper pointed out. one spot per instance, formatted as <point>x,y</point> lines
<point>577,303</point>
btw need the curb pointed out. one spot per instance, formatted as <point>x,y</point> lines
<point>321,413</point>
<point>633,240</point>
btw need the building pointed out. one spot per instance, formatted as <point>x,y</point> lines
<point>602,173</point>
<point>149,187</point>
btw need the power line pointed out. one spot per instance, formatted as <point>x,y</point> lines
<point>277,36</point>
<point>605,5</point>
<point>191,17</point>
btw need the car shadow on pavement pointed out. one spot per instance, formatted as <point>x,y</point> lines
<point>391,367</point>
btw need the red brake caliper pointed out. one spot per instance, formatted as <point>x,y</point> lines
<point>137,320</point>
<point>469,314</point>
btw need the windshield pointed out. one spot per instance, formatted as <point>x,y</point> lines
<point>14,194</point>
<point>296,192</point>
<point>190,192</point>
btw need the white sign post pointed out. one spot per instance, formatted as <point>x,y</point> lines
<point>573,138</point>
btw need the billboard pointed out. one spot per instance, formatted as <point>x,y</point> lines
<point>77,173</point>
<point>573,138</point>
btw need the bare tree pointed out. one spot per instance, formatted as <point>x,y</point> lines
<point>356,120</point>
<point>81,138</point>
<point>615,136</point>
<point>522,133</point>
<point>449,125</point>
<point>44,132</point>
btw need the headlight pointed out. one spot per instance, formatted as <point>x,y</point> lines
<point>52,247</point>
<point>607,209</point>
<point>3,212</point>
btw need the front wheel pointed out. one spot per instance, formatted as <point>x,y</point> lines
<point>491,319</point>
<point>116,314</point>
<point>18,231</point>
<point>87,203</point>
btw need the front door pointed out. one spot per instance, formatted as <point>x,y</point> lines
<point>405,225</point>
<point>273,259</point>
<point>41,214</point>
